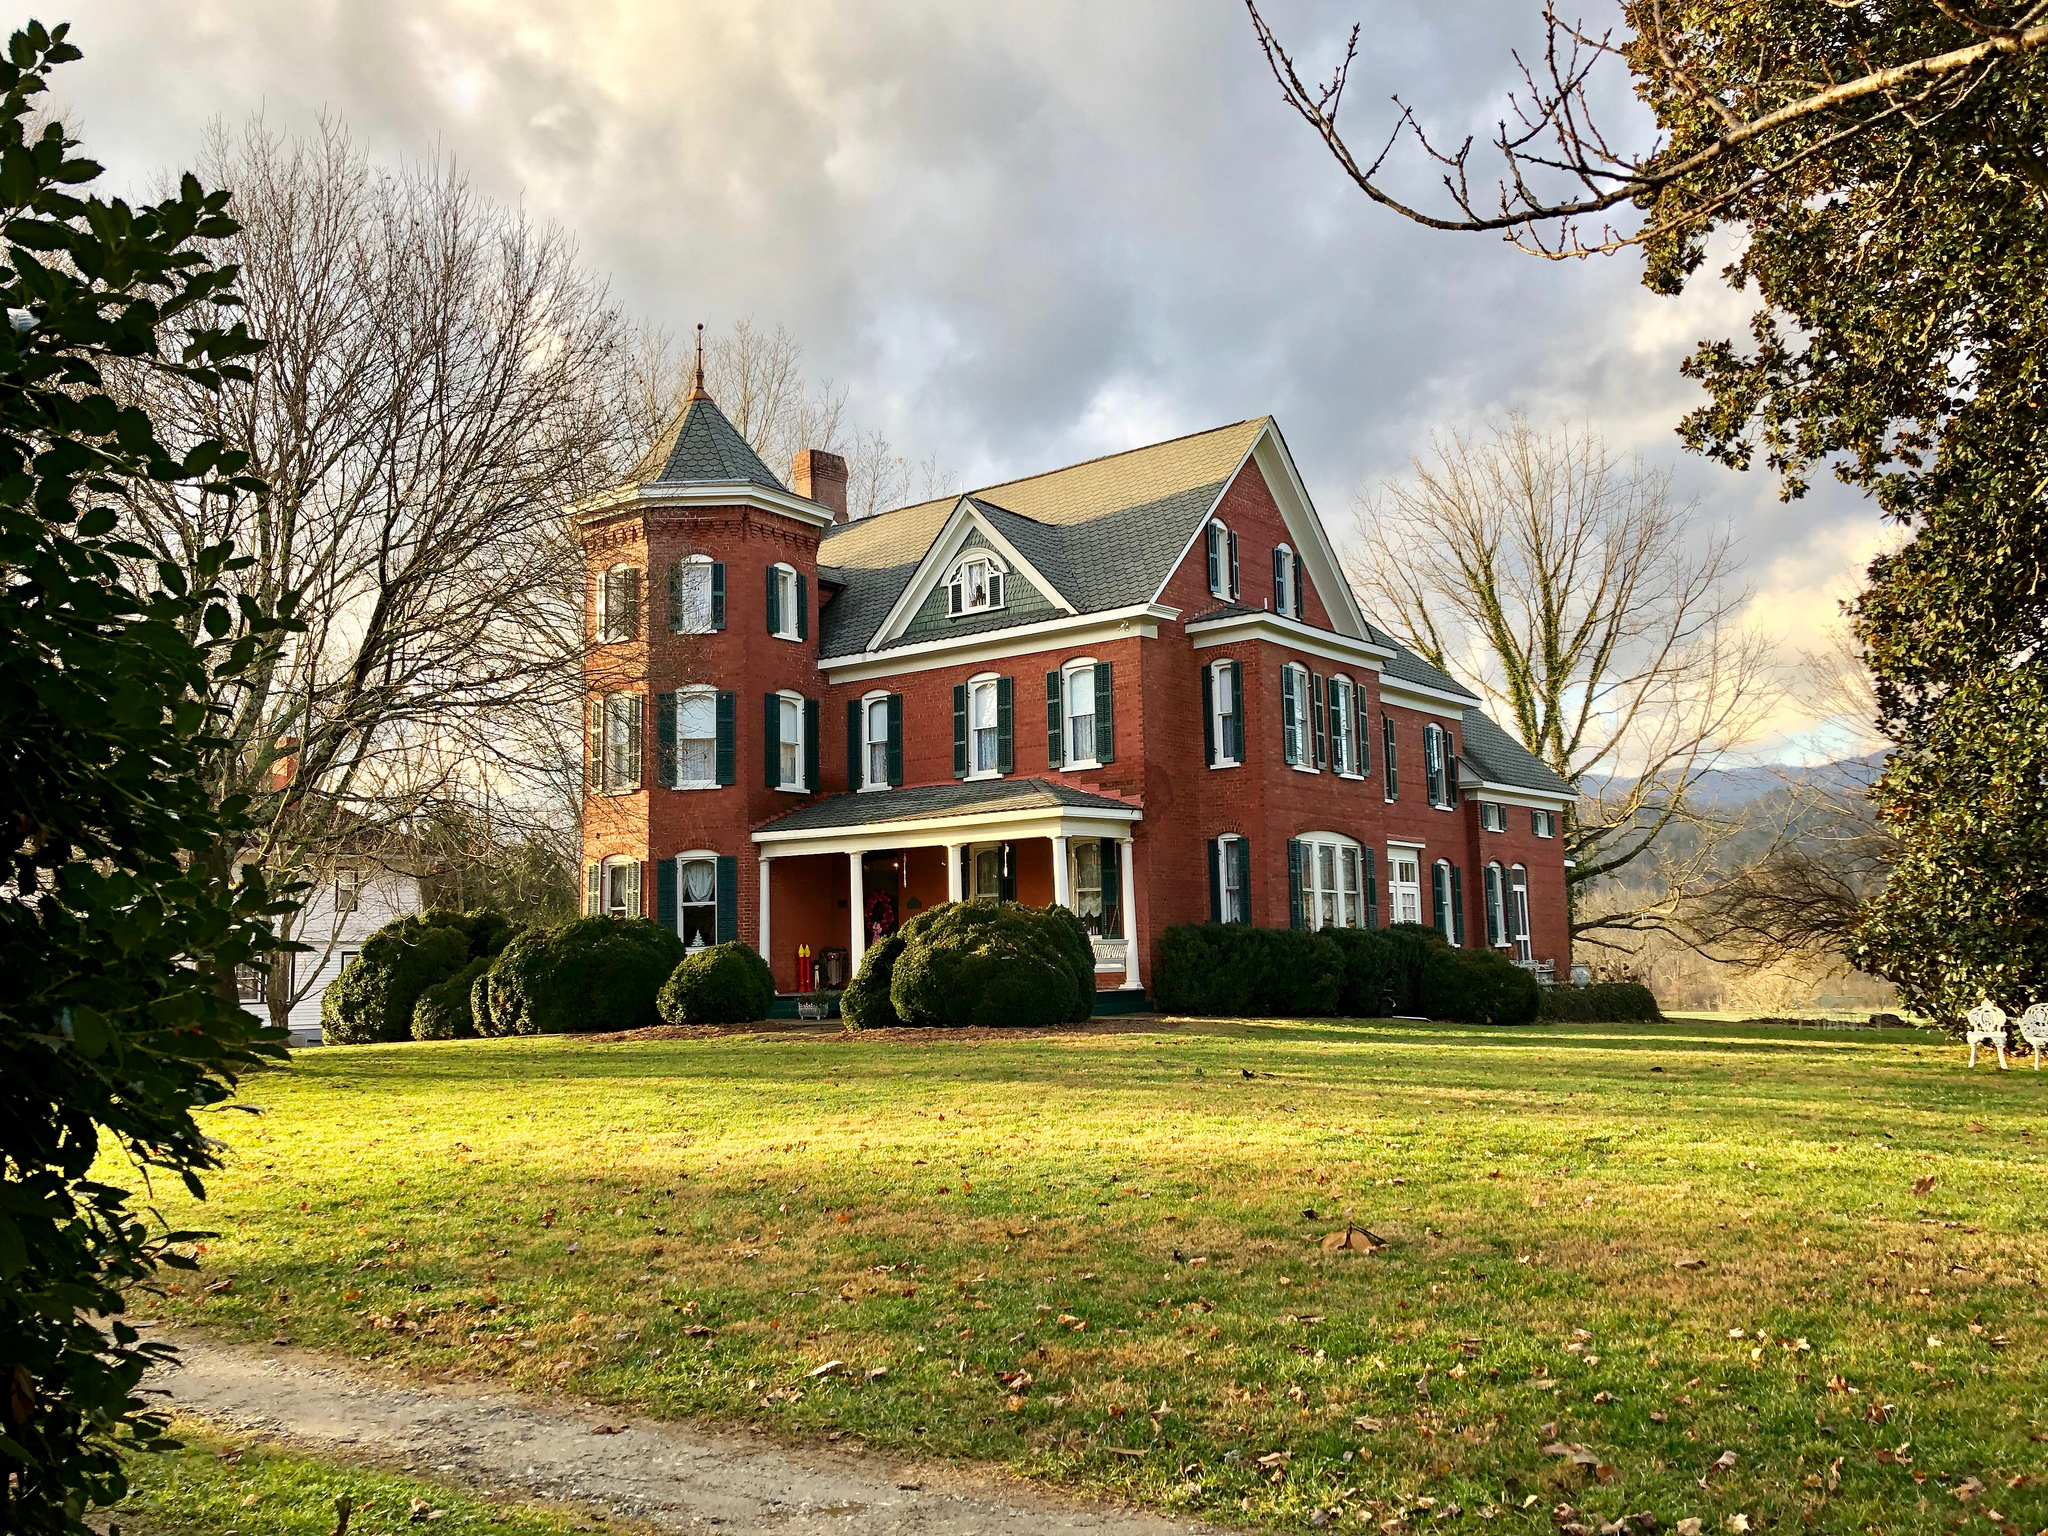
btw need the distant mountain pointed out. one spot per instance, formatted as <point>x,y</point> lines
<point>1723,789</point>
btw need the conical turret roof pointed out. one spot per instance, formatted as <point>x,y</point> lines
<point>701,446</point>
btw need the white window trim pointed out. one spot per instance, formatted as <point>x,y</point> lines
<point>991,681</point>
<point>1290,580</point>
<point>1217,539</point>
<point>1311,888</point>
<point>705,628</point>
<point>1067,670</point>
<point>1489,812</point>
<point>605,777</point>
<point>1218,721</point>
<point>867,743</point>
<point>697,691</point>
<point>974,853</point>
<point>605,866</point>
<point>1493,881</point>
<point>709,856</point>
<point>1549,822</point>
<point>1348,731</point>
<point>353,880</point>
<point>786,600</point>
<point>1517,915</point>
<point>965,558</point>
<point>1304,720</point>
<point>1226,864</point>
<point>1431,731</point>
<point>789,696</point>
<point>1445,918</point>
<point>1396,886</point>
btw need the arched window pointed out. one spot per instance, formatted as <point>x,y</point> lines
<point>1297,725</point>
<point>1496,907</point>
<point>984,726</point>
<point>874,741</point>
<point>1286,583</point>
<point>1436,759</point>
<point>1518,913</point>
<point>1077,685</point>
<point>697,899</point>
<point>790,746</point>
<point>1222,552</point>
<point>1447,901</point>
<point>619,887</point>
<point>788,603</point>
<point>1230,879</point>
<point>619,605</point>
<point>976,585</point>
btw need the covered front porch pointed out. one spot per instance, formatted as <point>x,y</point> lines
<point>843,872</point>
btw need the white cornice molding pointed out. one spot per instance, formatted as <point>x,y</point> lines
<point>959,826</point>
<point>1278,629</point>
<point>1435,701</point>
<point>1141,620</point>
<point>700,493</point>
<point>1517,794</point>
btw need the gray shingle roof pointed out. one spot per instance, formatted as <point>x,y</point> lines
<point>924,801</point>
<point>1411,668</point>
<point>1104,533</point>
<point>701,446</point>
<point>1504,760</point>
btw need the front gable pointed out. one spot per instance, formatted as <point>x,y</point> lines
<point>922,612</point>
<point>1023,600</point>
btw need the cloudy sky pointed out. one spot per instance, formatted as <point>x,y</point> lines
<point>1019,233</point>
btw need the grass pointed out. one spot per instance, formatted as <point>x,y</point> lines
<point>1693,1252</point>
<point>219,1484</point>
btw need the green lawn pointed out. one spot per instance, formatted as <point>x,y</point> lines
<point>221,1483</point>
<point>1692,1251</point>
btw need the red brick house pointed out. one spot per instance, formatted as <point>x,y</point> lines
<point>1139,686</point>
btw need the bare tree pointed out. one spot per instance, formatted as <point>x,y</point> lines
<point>1600,627</point>
<point>1558,167</point>
<point>441,378</point>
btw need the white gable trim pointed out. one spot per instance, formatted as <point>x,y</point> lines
<point>1516,794</point>
<point>945,547</point>
<point>1420,696</point>
<point>1279,629</point>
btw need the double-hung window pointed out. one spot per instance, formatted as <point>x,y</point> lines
<point>618,744</point>
<point>619,605</point>
<point>1343,754</point>
<point>1404,885</point>
<point>1297,717</point>
<point>1493,816</point>
<point>1324,872</point>
<point>1088,883</point>
<point>984,732</point>
<point>790,742</point>
<point>1223,729</point>
<point>1543,823</point>
<point>1434,772</point>
<point>696,596</point>
<point>1496,907</point>
<point>875,731</point>
<point>1230,894</point>
<point>1079,681</point>
<point>348,888</point>
<point>1222,551</point>
<point>697,739</point>
<point>697,901</point>
<point>789,604</point>
<point>620,887</point>
<point>1518,913</point>
<point>1286,582</point>
<point>1446,901</point>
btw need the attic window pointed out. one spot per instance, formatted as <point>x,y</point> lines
<point>976,585</point>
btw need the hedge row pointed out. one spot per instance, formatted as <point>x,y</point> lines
<point>1233,970</point>
<point>1604,1002</point>
<point>377,994</point>
<point>976,963</point>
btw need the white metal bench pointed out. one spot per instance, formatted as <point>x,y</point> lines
<point>1987,1027</point>
<point>2034,1030</point>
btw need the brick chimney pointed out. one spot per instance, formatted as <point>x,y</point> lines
<point>821,476</point>
<point>285,766</point>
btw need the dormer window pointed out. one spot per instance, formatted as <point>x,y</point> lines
<point>976,585</point>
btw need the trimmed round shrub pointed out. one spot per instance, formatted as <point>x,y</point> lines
<point>590,975</point>
<point>724,984</point>
<point>373,997</point>
<point>1603,1002</point>
<point>1476,986</point>
<point>994,963</point>
<point>480,1002</point>
<point>443,1011</point>
<point>865,1003</point>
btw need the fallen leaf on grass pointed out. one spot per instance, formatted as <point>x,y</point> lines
<point>1923,1184</point>
<point>1725,1462</point>
<point>1659,1416</point>
<point>829,1368</point>
<point>876,1373</point>
<point>1737,1524</point>
<point>1117,1450</point>
<point>696,1331</point>
<point>1691,1525</point>
<point>603,1429</point>
<point>1689,1264</point>
<point>1967,1489</point>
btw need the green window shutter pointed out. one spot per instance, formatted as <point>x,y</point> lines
<point>771,740</point>
<point>593,762</point>
<point>1112,888</point>
<point>1290,733</point>
<point>959,730</point>
<point>1280,598</point>
<point>1006,743</point>
<point>1297,917</point>
<point>728,898</point>
<point>1372,889</point>
<point>1236,708</point>
<point>1490,881</point>
<point>774,601</point>
<point>856,749</point>
<point>665,894</point>
<point>635,738</point>
<point>1213,537</point>
<point>1457,906</point>
<point>803,607</point>
<point>1105,713</point>
<point>1216,855</point>
<point>1439,893</point>
<point>635,883</point>
<point>1364,730</point>
<point>1243,847</point>
<point>665,740</point>
<point>728,712</point>
<point>593,877</point>
<point>1007,889</point>
<point>811,746</point>
<point>718,594</point>
<point>1209,716</point>
<point>1317,721</point>
<point>1234,588</point>
<point>895,762</point>
<point>1393,766</point>
<point>1055,723</point>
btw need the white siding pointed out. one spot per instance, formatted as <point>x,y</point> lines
<point>383,895</point>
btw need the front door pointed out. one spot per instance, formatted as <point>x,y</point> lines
<point>1404,885</point>
<point>881,878</point>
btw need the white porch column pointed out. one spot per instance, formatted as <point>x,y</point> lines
<point>856,901</point>
<point>1128,848</point>
<point>766,952</point>
<point>953,891</point>
<point>1062,875</point>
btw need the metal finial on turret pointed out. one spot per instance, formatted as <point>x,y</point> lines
<point>697,389</point>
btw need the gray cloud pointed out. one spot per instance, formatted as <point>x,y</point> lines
<point>1019,233</point>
